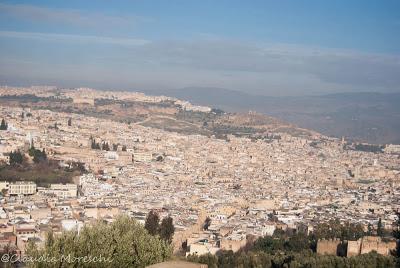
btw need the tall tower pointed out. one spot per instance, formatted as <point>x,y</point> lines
<point>29,139</point>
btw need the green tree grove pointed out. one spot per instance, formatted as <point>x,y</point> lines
<point>123,243</point>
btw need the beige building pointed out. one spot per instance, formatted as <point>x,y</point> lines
<point>22,188</point>
<point>142,157</point>
<point>68,190</point>
<point>201,248</point>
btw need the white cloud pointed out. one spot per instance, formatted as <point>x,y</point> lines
<point>74,38</point>
<point>74,17</point>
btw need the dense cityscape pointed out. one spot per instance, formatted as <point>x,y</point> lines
<point>220,192</point>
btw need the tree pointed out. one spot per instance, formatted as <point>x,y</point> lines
<point>37,155</point>
<point>94,145</point>
<point>369,232</point>
<point>32,149</point>
<point>291,259</point>
<point>40,156</point>
<point>16,158</point>
<point>69,122</point>
<point>335,229</point>
<point>3,125</point>
<point>379,230</point>
<point>207,223</point>
<point>396,233</point>
<point>167,229</point>
<point>269,244</point>
<point>123,148</point>
<point>297,242</point>
<point>123,243</point>
<point>152,222</point>
<point>105,146</point>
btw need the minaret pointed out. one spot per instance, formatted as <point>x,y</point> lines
<point>29,139</point>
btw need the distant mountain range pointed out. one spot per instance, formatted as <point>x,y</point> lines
<point>365,117</point>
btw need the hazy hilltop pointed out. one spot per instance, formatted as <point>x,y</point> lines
<point>368,117</point>
<point>160,112</point>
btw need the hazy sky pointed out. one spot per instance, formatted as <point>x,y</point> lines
<point>265,47</point>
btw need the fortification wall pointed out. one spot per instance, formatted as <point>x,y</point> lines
<point>234,245</point>
<point>368,244</point>
<point>328,247</point>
